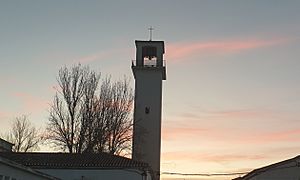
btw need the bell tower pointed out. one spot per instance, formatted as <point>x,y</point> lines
<point>149,71</point>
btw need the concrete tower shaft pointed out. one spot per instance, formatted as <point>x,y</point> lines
<point>149,70</point>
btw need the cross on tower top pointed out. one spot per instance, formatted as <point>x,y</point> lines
<point>150,31</point>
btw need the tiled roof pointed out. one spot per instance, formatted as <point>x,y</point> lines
<point>67,160</point>
<point>15,165</point>
<point>6,142</point>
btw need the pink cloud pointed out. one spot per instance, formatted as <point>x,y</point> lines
<point>94,57</point>
<point>226,114</point>
<point>183,132</point>
<point>213,124</point>
<point>31,103</point>
<point>291,135</point>
<point>228,135</point>
<point>208,157</point>
<point>8,80</point>
<point>216,125</point>
<point>176,51</point>
<point>102,55</point>
<point>4,114</point>
<point>239,113</point>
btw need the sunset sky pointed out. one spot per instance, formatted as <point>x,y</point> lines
<point>231,101</point>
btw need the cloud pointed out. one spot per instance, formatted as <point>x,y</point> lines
<point>232,114</point>
<point>213,124</point>
<point>291,135</point>
<point>208,157</point>
<point>4,115</point>
<point>30,103</point>
<point>177,51</point>
<point>4,120</point>
<point>238,126</point>
<point>94,57</point>
<point>171,133</point>
<point>204,134</point>
<point>103,55</point>
<point>8,80</point>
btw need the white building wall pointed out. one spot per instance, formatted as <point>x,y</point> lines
<point>147,126</point>
<point>94,174</point>
<point>18,174</point>
<point>148,75</point>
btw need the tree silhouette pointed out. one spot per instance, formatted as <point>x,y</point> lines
<point>23,135</point>
<point>89,114</point>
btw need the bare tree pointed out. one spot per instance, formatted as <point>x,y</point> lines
<point>23,135</point>
<point>113,117</point>
<point>119,127</point>
<point>65,125</point>
<point>89,116</point>
<point>88,113</point>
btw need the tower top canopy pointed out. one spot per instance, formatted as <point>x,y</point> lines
<point>149,56</point>
<point>158,44</point>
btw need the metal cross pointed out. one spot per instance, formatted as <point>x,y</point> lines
<point>150,31</point>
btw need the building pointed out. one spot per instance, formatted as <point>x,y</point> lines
<point>67,166</point>
<point>284,170</point>
<point>10,170</point>
<point>5,146</point>
<point>149,71</point>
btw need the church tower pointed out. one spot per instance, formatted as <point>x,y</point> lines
<point>149,70</point>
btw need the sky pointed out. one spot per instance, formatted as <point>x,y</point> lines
<point>232,95</point>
